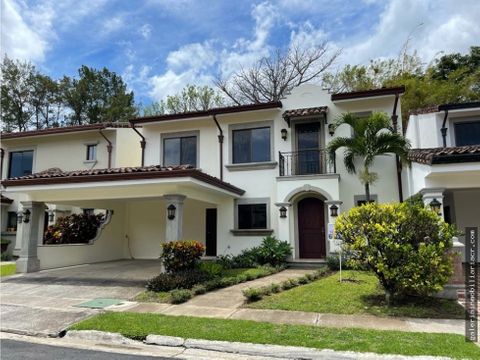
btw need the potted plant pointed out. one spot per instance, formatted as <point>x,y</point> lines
<point>4,245</point>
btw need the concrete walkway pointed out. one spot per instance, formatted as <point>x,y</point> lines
<point>227,304</point>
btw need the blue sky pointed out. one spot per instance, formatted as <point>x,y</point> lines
<point>159,46</point>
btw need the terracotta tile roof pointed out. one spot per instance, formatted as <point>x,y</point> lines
<point>293,113</point>
<point>210,112</point>
<point>64,129</point>
<point>425,110</point>
<point>443,107</point>
<point>368,93</point>
<point>57,176</point>
<point>5,200</point>
<point>458,154</point>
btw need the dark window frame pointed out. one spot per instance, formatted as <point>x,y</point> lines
<point>94,147</point>
<point>250,154</point>
<point>181,148</point>
<point>12,220</point>
<point>460,123</point>
<point>10,162</point>
<point>249,210</point>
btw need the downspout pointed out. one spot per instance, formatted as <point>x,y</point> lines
<point>444,129</point>
<point>109,148</point>
<point>220,144</point>
<point>397,159</point>
<point>143,143</point>
<point>2,155</point>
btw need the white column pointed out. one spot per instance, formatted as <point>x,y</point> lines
<point>331,224</point>
<point>436,193</point>
<point>31,235</point>
<point>174,227</point>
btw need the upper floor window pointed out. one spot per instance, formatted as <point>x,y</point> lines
<point>180,151</point>
<point>251,145</point>
<point>91,152</point>
<point>21,163</point>
<point>467,133</point>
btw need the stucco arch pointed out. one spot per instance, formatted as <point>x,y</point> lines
<point>305,189</point>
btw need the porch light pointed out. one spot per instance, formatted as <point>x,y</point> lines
<point>19,217</point>
<point>334,210</point>
<point>435,206</point>
<point>26,216</point>
<point>51,216</point>
<point>283,212</point>
<point>331,129</point>
<point>284,134</point>
<point>171,211</point>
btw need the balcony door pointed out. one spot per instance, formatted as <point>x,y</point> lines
<point>308,148</point>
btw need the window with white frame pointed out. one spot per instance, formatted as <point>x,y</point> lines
<point>91,152</point>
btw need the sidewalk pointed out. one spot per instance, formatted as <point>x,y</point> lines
<point>227,304</point>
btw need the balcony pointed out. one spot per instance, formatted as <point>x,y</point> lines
<point>305,162</point>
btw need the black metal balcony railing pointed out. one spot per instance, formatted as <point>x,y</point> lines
<point>305,162</point>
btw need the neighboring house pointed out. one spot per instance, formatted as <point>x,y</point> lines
<point>65,148</point>
<point>226,177</point>
<point>445,159</point>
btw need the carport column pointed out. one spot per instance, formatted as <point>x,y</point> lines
<point>428,195</point>
<point>174,227</point>
<point>31,235</point>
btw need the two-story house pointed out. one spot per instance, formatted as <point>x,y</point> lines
<point>226,177</point>
<point>445,159</point>
<point>66,148</point>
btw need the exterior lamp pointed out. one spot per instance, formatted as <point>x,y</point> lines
<point>334,210</point>
<point>284,134</point>
<point>51,216</point>
<point>26,216</point>
<point>171,211</point>
<point>283,212</point>
<point>435,206</point>
<point>331,129</point>
<point>19,217</point>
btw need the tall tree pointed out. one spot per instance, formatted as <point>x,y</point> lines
<point>272,77</point>
<point>45,99</point>
<point>372,136</point>
<point>191,98</point>
<point>17,80</point>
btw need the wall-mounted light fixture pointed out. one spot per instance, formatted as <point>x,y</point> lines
<point>19,217</point>
<point>171,211</point>
<point>334,210</point>
<point>51,216</point>
<point>331,129</point>
<point>284,134</point>
<point>283,212</point>
<point>26,216</point>
<point>435,206</point>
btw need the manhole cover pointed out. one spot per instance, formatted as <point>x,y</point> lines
<point>100,303</point>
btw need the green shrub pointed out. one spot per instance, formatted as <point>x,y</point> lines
<point>286,285</point>
<point>73,229</point>
<point>179,280</point>
<point>303,280</point>
<point>179,296</point>
<point>213,269</point>
<point>275,288</point>
<point>405,245</point>
<point>273,251</point>
<point>181,255</point>
<point>253,294</point>
<point>199,289</point>
<point>6,256</point>
<point>213,284</point>
<point>310,276</point>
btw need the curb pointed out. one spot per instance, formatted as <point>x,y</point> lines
<point>250,349</point>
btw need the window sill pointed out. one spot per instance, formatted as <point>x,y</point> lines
<point>252,166</point>
<point>90,162</point>
<point>251,232</point>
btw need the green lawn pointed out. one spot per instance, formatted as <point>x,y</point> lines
<point>7,269</point>
<point>164,296</point>
<point>359,294</point>
<point>138,326</point>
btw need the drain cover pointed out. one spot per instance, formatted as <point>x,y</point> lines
<point>100,303</point>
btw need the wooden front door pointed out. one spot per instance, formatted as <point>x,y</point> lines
<point>311,228</point>
<point>211,232</point>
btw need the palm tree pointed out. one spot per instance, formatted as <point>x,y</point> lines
<point>372,136</point>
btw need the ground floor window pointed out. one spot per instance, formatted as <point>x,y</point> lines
<point>360,200</point>
<point>12,221</point>
<point>251,214</point>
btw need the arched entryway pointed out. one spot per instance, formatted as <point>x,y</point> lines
<point>311,228</point>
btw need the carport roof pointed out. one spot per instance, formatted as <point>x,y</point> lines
<point>57,176</point>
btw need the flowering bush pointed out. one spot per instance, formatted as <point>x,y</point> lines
<point>181,255</point>
<point>73,229</point>
<point>405,246</point>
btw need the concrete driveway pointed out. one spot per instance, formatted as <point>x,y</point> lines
<point>44,303</point>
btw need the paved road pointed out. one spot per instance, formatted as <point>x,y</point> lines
<point>20,350</point>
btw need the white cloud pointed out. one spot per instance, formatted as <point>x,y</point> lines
<point>145,30</point>
<point>20,39</point>
<point>112,25</point>
<point>193,56</point>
